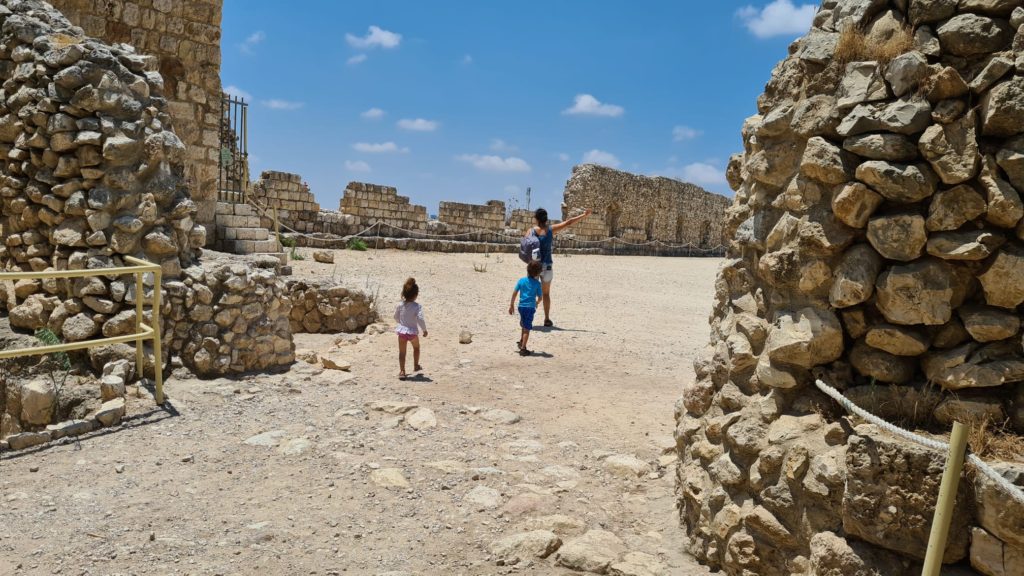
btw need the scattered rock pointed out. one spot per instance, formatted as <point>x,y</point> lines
<point>323,256</point>
<point>334,361</point>
<point>38,401</point>
<point>638,564</point>
<point>308,356</point>
<point>296,446</point>
<point>499,416</point>
<point>111,387</point>
<point>483,498</point>
<point>519,547</point>
<point>391,407</point>
<point>626,466</point>
<point>465,337</point>
<point>267,439</point>
<point>389,478</point>
<point>111,412</point>
<point>421,419</point>
<point>592,552</point>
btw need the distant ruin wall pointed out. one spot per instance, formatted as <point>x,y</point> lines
<point>290,196</point>
<point>460,218</point>
<point>875,243</point>
<point>640,209</point>
<point>372,203</point>
<point>185,37</point>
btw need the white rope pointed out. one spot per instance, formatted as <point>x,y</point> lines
<point>1007,486</point>
<point>478,231</point>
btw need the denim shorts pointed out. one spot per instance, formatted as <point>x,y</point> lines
<point>526,317</point>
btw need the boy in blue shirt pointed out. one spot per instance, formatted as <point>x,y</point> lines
<point>530,293</point>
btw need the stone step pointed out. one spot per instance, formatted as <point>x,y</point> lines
<point>229,221</point>
<point>251,246</point>
<point>232,209</point>
<point>226,233</point>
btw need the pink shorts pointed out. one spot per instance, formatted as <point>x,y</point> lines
<point>407,337</point>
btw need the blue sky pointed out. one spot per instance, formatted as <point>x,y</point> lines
<point>469,100</point>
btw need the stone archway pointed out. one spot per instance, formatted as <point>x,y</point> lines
<point>612,215</point>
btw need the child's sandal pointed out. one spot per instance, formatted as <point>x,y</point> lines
<point>403,376</point>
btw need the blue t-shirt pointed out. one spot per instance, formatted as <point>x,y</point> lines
<point>529,289</point>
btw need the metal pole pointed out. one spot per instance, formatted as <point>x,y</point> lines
<point>140,358</point>
<point>158,359</point>
<point>946,501</point>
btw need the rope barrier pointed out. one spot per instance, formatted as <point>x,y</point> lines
<point>1015,492</point>
<point>478,231</point>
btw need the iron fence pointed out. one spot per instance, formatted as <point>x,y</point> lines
<point>233,172</point>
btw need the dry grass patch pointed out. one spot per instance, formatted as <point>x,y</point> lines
<point>989,439</point>
<point>853,46</point>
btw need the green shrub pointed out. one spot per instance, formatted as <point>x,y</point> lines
<point>357,244</point>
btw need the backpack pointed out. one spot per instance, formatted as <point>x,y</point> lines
<point>529,247</point>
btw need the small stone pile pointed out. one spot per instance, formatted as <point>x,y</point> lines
<point>92,173</point>
<point>230,315</point>
<point>877,242</point>
<point>325,307</point>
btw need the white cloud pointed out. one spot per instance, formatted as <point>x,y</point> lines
<point>237,92</point>
<point>681,133</point>
<point>382,148</point>
<point>376,38</point>
<point>499,145</point>
<point>275,104</point>
<point>356,166</point>
<point>418,125</point>
<point>779,18</point>
<point>490,163</point>
<point>357,59</point>
<point>702,173</point>
<point>601,157</point>
<point>252,40</point>
<point>373,114</point>
<point>563,156</point>
<point>587,105</point>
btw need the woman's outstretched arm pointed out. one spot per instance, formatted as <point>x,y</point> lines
<point>563,225</point>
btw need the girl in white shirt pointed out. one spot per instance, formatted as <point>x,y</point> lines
<point>409,317</point>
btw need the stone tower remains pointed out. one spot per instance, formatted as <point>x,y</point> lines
<point>876,242</point>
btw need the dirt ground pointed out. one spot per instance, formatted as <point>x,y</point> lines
<point>181,492</point>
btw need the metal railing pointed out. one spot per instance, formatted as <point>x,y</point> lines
<point>233,163</point>
<point>143,331</point>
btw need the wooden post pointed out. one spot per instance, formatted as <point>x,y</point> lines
<point>946,501</point>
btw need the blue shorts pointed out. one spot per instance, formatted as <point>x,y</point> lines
<point>526,317</point>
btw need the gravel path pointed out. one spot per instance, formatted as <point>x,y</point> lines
<point>314,471</point>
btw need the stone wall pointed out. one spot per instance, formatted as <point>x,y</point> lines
<point>326,307</point>
<point>295,204</point>
<point>638,208</point>
<point>875,242</point>
<point>372,203</point>
<point>94,173</point>
<point>184,36</point>
<point>460,218</point>
<point>229,316</point>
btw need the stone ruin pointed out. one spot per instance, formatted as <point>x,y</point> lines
<point>92,172</point>
<point>370,203</point>
<point>290,196</point>
<point>639,211</point>
<point>642,209</point>
<point>183,39</point>
<point>876,242</point>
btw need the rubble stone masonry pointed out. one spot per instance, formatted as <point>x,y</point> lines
<point>184,36</point>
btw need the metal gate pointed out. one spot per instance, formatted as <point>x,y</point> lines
<point>233,175</point>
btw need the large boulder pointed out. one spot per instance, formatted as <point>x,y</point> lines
<point>891,489</point>
<point>917,293</point>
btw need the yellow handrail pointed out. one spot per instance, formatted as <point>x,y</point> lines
<point>143,331</point>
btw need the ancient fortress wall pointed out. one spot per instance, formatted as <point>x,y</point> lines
<point>372,203</point>
<point>184,36</point>
<point>641,208</point>
<point>461,218</point>
<point>875,242</point>
<point>296,207</point>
